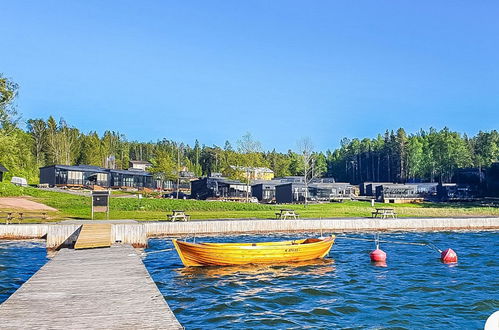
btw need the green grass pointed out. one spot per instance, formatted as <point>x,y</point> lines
<point>73,206</point>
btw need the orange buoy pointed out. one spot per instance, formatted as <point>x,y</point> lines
<point>448,256</point>
<point>377,255</point>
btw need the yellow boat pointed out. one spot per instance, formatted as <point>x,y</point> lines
<point>224,254</point>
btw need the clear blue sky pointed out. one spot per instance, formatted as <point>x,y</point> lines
<point>213,70</point>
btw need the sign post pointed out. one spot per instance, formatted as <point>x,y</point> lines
<point>100,202</point>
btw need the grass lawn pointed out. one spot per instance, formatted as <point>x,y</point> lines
<point>73,206</point>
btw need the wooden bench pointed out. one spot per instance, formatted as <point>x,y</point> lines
<point>20,216</point>
<point>285,214</point>
<point>384,213</point>
<point>178,215</point>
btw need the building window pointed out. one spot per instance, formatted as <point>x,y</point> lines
<point>75,177</point>
<point>101,179</point>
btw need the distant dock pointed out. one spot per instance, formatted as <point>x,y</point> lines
<point>107,288</point>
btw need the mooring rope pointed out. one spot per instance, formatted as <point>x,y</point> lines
<point>151,252</point>
<point>377,241</point>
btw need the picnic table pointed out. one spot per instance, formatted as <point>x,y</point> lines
<point>384,213</point>
<point>11,216</point>
<point>286,213</point>
<point>178,215</point>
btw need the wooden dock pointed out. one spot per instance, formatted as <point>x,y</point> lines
<point>94,235</point>
<point>106,288</point>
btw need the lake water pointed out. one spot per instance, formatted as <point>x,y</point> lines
<point>414,290</point>
<point>19,260</point>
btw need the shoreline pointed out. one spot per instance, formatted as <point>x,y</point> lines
<point>135,233</point>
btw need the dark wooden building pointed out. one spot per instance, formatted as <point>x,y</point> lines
<point>67,175</point>
<point>427,190</point>
<point>290,192</point>
<point>217,187</point>
<point>130,179</point>
<point>86,175</point>
<point>331,191</point>
<point>492,181</point>
<point>294,192</point>
<point>2,171</point>
<point>264,191</point>
<point>448,192</point>
<point>369,188</point>
<point>397,193</point>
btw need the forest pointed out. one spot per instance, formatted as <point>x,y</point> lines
<point>393,156</point>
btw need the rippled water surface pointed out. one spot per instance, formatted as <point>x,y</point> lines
<point>414,290</point>
<point>19,260</point>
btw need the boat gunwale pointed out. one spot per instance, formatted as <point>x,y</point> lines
<point>232,246</point>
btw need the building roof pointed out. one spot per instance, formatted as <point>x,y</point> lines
<point>79,168</point>
<point>126,172</point>
<point>3,169</point>
<point>221,180</point>
<point>97,169</point>
<point>266,182</point>
<point>329,184</point>
<point>298,184</point>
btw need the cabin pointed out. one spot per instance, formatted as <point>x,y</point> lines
<point>397,193</point>
<point>331,191</point>
<point>448,192</point>
<point>218,188</point>
<point>89,176</point>
<point>74,176</point>
<point>290,192</point>
<point>2,171</point>
<point>369,188</point>
<point>136,179</point>
<point>427,190</point>
<point>264,191</point>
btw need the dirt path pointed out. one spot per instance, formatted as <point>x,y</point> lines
<point>19,203</point>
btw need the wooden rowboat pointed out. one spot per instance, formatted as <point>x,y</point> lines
<point>223,254</point>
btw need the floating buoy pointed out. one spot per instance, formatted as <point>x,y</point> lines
<point>448,256</point>
<point>377,255</point>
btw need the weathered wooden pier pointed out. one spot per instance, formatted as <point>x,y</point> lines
<point>106,288</point>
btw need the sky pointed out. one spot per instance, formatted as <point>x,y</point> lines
<point>281,70</point>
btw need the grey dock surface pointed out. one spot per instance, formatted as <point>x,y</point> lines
<point>107,288</point>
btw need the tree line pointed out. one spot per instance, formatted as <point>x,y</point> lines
<point>395,156</point>
<point>428,155</point>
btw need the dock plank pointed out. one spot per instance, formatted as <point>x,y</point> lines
<point>94,236</point>
<point>106,288</point>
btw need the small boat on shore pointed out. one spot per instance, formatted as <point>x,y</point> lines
<point>224,254</point>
